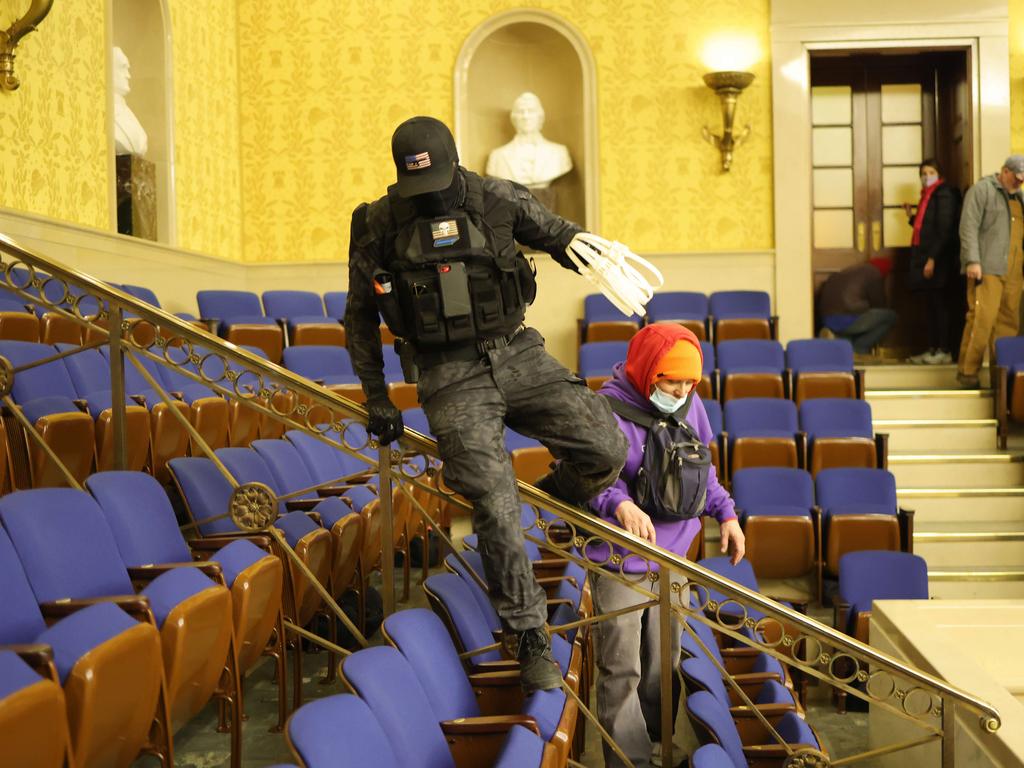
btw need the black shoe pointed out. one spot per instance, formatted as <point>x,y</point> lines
<point>538,670</point>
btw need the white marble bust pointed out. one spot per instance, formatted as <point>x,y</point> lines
<point>529,158</point>
<point>129,135</point>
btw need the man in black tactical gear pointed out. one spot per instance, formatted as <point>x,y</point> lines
<point>437,258</point>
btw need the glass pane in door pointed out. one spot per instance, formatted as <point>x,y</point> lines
<point>831,105</point>
<point>896,232</point>
<point>900,184</point>
<point>832,146</point>
<point>833,187</point>
<point>901,103</point>
<point>901,144</point>
<point>833,229</point>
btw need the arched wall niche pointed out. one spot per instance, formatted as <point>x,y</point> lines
<point>530,50</point>
<point>142,29</point>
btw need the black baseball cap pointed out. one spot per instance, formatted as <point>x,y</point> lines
<point>425,156</point>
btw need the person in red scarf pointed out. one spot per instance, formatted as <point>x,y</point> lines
<point>934,257</point>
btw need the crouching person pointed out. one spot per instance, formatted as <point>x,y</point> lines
<point>653,398</point>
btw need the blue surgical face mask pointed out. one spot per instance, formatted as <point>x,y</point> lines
<point>664,402</point>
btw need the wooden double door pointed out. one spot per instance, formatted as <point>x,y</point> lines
<point>875,116</point>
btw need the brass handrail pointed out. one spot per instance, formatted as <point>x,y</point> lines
<point>594,530</point>
<point>703,577</point>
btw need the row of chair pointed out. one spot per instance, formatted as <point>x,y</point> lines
<point>805,369</point>
<point>69,401</point>
<point>133,644</point>
<point>731,733</point>
<point>418,705</point>
<point>293,317</point>
<point>797,526</point>
<point>723,316</point>
<point>282,317</point>
<point>821,433</point>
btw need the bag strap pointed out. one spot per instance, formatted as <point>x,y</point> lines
<point>647,420</point>
<point>632,413</point>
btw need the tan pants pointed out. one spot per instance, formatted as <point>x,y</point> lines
<point>993,311</point>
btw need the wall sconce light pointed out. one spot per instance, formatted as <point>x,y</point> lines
<point>10,37</point>
<point>728,86</point>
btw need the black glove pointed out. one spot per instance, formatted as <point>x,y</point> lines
<point>385,420</point>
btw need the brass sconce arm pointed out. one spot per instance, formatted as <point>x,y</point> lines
<point>728,86</point>
<point>10,37</point>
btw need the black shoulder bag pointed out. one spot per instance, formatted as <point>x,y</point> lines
<point>672,481</point>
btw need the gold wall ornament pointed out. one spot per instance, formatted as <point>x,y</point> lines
<point>10,37</point>
<point>728,86</point>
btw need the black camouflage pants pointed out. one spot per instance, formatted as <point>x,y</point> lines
<point>468,405</point>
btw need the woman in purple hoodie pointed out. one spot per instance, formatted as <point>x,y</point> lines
<point>663,364</point>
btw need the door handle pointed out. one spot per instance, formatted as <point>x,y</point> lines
<point>876,236</point>
<point>861,237</point>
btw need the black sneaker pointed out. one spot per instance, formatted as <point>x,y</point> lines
<point>538,670</point>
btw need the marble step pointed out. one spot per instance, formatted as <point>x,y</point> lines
<point>976,583</point>
<point>956,505</point>
<point>920,435</point>
<point>970,544</point>
<point>930,403</point>
<point>914,377</point>
<point>980,469</point>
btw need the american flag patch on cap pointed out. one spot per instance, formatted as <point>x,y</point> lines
<point>416,162</point>
<point>444,232</point>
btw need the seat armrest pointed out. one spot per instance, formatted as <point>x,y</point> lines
<point>768,710</point>
<point>755,678</point>
<point>906,523</point>
<point>488,724</point>
<point>499,679</point>
<point>553,580</point>
<point>499,665</point>
<point>338,490</point>
<point>213,543</point>
<point>150,572</point>
<point>136,606</point>
<point>39,656</point>
<point>740,652</point>
<point>882,450</point>
<point>301,505</point>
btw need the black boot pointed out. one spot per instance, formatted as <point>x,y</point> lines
<point>538,670</point>
<point>549,486</point>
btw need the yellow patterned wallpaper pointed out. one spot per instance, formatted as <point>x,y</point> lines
<point>53,128</point>
<point>323,84</point>
<point>206,116</point>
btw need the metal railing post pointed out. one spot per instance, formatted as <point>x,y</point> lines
<point>665,622</point>
<point>117,389</point>
<point>387,529</point>
<point>948,732</point>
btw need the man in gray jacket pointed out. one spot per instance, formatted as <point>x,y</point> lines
<point>992,256</point>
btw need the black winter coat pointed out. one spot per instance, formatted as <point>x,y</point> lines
<point>939,241</point>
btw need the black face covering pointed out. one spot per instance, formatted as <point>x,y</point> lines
<point>437,203</point>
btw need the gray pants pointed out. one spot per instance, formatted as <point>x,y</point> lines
<point>629,667</point>
<point>468,404</point>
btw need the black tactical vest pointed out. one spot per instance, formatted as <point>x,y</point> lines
<point>447,283</point>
